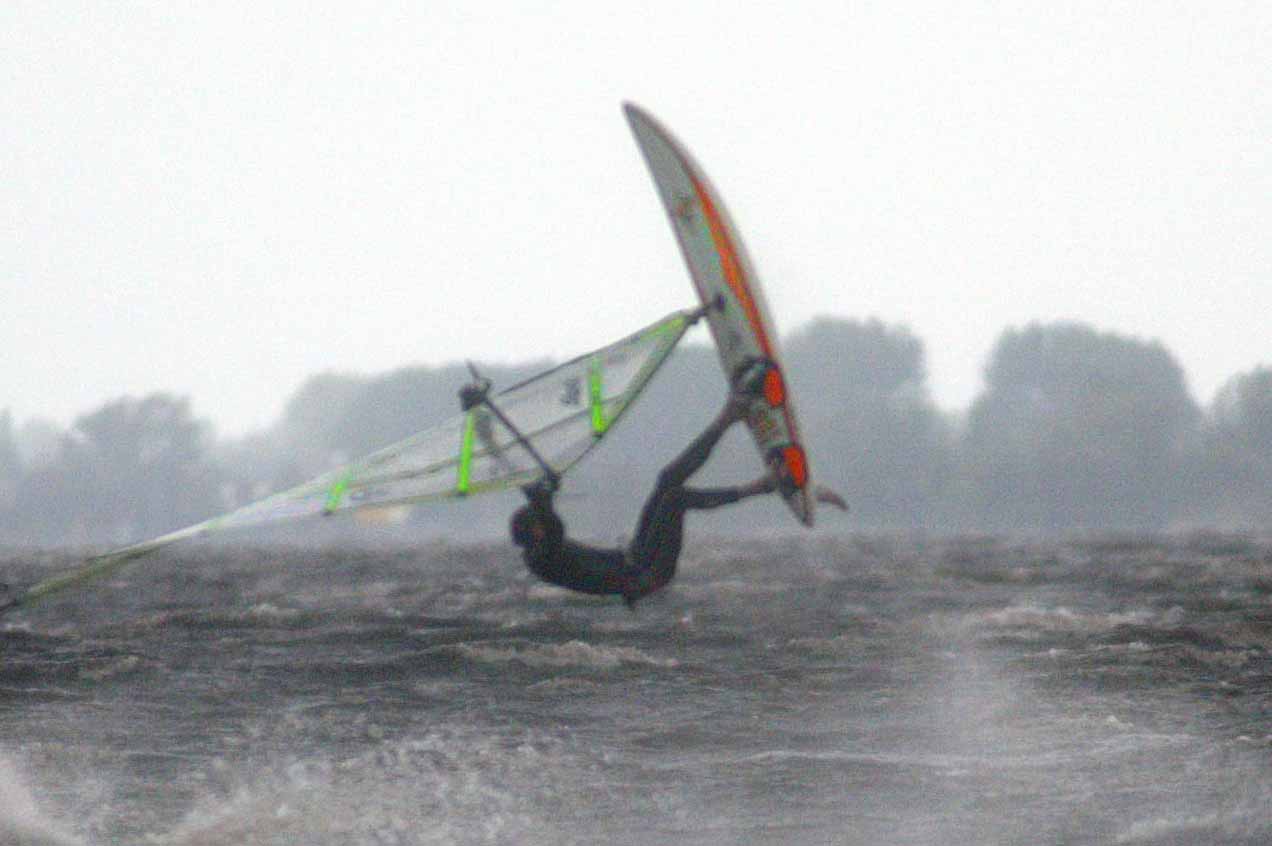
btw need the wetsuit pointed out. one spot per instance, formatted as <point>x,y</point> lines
<point>649,562</point>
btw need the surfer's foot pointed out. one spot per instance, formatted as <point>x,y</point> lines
<point>748,378</point>
<point>636,583</point>
<point>735,408</point>
<point>826,495</point>
<point>748,383</point>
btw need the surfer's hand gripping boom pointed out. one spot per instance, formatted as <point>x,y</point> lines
<point>477,392</point>
<point>540,491</point>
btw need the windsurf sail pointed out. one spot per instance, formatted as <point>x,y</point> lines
<point>547,422</point>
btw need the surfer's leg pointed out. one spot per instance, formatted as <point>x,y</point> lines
<point>699,450</point>
<point>704,499</point>
<point>655,551</point>
<point>695,455</point>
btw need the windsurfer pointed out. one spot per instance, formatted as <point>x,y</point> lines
<point>649,562</point>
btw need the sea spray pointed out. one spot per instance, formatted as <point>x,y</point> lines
<point>22,823</point>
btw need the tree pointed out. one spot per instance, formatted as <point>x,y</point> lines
<point>132,469</point>
<point>10,470</point>
<point>1080,429</point>
<point>872,428</point>
<point>1239,449</point>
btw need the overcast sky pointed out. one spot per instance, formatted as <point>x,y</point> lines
<point>220,199</point>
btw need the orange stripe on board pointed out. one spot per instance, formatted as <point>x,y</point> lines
<point>774,388</point>
<point>733,274</point>
<point>731,265</point>
<point>796,465</point>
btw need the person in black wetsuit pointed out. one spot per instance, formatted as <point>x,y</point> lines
<point>649,562</point>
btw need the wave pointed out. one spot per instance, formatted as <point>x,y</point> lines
<point>22,823</point>
<point>1058,619</point>
<point>574,653</point>
<point>717,590</point>
<point>121,665</point>
<point>827,646</point>
<point>262,615</point>
<point>451,785</point>
<point>569,685</point>
<point>1230,828</point>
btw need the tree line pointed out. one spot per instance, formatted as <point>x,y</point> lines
<point>1074,430</point>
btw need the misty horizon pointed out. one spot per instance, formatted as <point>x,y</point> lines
<point>1076,429</point>
<point>954,408</point>
<point>204,219</point>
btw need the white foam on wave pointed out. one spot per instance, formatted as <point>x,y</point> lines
<point>717,589</point>
<point>1151,831</point>
<point>1244,825</point>
<point>566,684</point>
<point>19,625</point>
<point>516,618</point>
<point>260,614</point>
<point>444,690</point>
<point>573,653</point>
<point>541,592</point>
<point>121,666</point>
<point>947,765</point>
<point>268,612</point>
<point>448,786</point>
<point>1239,810</point>
<point>629,623</point>
<point>22,823</point>
<point>1059,619</point>
<point>832,646</point>
<point>264,814</point>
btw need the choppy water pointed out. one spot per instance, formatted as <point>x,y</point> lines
<point>800,689</point>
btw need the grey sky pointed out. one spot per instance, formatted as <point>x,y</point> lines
<point>221,199</point>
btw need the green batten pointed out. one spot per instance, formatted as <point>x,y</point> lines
<point>674,323</point>
<point>596,393</point>
<point>464,470</point>
<point>336,495</point>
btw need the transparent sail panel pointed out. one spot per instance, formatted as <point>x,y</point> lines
<point>563,413</point>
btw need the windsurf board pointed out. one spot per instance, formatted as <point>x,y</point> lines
<point>738,314</point>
